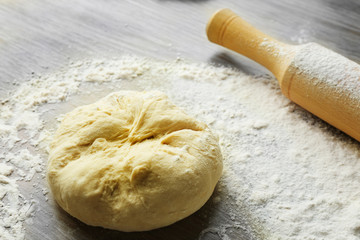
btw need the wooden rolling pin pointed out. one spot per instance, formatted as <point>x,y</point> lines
<point>320,80</point>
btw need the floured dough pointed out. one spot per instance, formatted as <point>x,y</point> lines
<point>132,161</point>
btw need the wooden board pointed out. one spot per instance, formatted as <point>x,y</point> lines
<point>41,36</point>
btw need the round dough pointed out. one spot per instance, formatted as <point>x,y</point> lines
<point>132,161</point>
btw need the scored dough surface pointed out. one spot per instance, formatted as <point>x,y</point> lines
<point>132,161</point>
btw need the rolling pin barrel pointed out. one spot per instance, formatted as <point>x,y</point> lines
<point>320,80</point>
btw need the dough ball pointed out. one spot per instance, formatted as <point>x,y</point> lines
<point>132,161</point>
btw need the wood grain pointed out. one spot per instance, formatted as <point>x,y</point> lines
<point>328,98</point>
<point>41,36</point>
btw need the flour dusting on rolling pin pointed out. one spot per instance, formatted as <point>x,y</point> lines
<point>320,80</point>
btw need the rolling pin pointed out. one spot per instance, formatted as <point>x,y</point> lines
<point>314,77</point>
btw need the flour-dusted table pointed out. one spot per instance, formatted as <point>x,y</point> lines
<point>42,36</point>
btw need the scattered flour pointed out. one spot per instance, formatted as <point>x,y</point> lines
<point>302,36</point>
<point>297,177</point>
<point>329,71</point>
<point>274,48</point>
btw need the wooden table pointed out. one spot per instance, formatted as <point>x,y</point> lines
<point>41,36</point>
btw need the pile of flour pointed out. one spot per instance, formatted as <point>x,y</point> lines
<point>298,177</point>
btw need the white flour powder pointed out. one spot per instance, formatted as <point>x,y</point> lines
<point>330,71</point>
<point>298,177</point>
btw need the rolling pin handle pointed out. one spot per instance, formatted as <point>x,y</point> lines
<point>229,30</point>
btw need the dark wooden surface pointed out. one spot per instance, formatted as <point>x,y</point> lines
<point>41,36</point>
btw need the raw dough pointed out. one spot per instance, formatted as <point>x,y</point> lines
<point>132,161</point>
